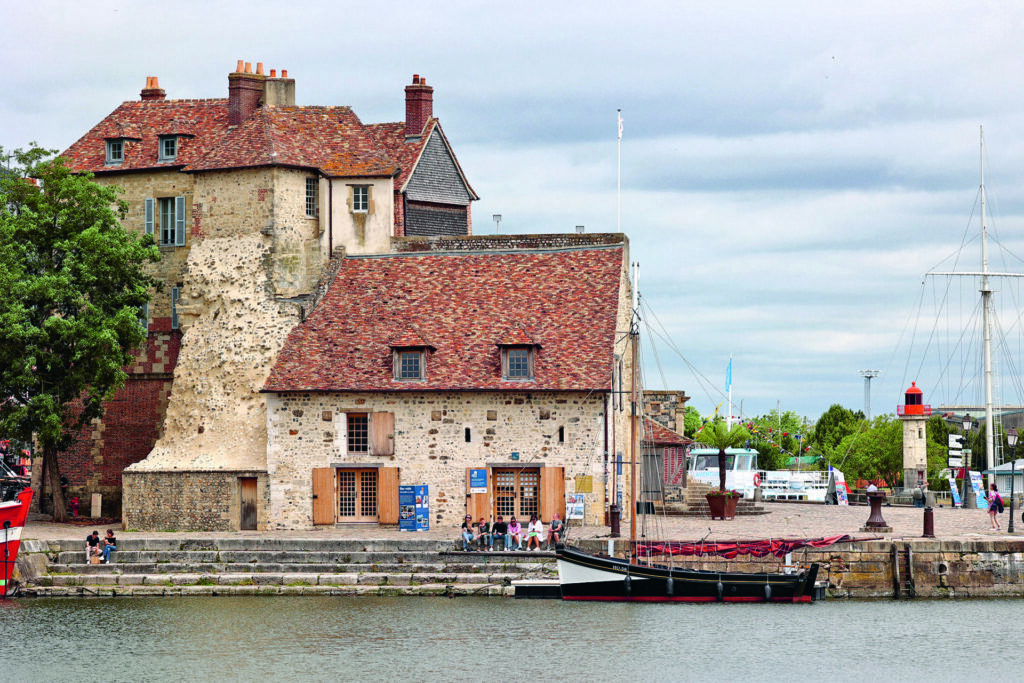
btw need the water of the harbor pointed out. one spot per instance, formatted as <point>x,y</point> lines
<point>494,639</point>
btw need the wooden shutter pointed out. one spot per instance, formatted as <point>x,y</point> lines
<point>387,495</point>
<point>149,215</point>
<point>479,504</point>
<point>323,495</point>
<point>179,221</point>
<point>552,493</point>
<point>382,433</point>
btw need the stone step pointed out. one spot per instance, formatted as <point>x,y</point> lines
<point>256,543</point>
<point>296,557</point>
<point>300,568</point>
<point>435,589</point>
<point>312,578</point>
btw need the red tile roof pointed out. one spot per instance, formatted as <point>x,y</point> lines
<point>331,139</point>
<point>655,433</point>
<point>462,303</point>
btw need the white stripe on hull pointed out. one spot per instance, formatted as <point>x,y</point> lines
<point>569,573</point>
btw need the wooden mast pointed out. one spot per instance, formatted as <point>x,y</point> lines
<point>634,334</point>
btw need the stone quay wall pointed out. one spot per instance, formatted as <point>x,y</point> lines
<point>868,569</point>
<point>188,501</point>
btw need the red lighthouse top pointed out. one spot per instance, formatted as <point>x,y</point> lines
<point>914,402</point>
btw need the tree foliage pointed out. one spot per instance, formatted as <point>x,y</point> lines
<point>774,437</point>
<point>718,435</point>
<point>72,284</point>
<point>875,452</point>
<point>691,421</point>
<point>834,425</point>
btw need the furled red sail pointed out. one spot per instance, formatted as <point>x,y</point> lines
<point>779,547</point>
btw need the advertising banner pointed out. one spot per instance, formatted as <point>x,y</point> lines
<point>980,499</point>
<point>575,505</point>
<point>954,492</point>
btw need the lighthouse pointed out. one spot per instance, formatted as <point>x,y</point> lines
<point>914,414</point>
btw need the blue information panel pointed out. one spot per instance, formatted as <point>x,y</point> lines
<point>478,481</point>
<point>413,508</point>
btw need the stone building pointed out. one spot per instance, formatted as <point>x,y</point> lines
<point>253,200</point>
<point>481,367</point>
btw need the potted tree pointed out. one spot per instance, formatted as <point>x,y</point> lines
<point>718,435</point>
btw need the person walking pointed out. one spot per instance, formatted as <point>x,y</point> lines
<point>995,506</point>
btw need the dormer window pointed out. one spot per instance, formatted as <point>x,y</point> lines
<point>168,147</point>
<point>410,364</point>
<point>115,151</point>
<point>517,363</point>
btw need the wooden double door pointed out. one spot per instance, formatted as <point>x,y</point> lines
<point>355,495</point>
<point>520,492</point>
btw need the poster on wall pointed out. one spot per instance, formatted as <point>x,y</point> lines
<point>478,481</point>
<point>413,508</point>
<point>575,505</point>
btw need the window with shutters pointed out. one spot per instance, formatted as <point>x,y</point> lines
<point>358,433</point>
<point>165,220</point>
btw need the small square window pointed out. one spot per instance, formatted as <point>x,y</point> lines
<point>518,363</point>
<point>168,148</point>
<point>409,365</point>
<point>312,198</point>
<point>115,151</point>
<point>360,199</point>
<point>358,433</point>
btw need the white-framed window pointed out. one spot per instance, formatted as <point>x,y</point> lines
<point>168,148</point>
<point>312,197</point>
<point>360,199</point>
<point>170,211</point>
<point>409,365</point>
<point>175,295</point>
<point>115,151</point>
<point>517,363</point>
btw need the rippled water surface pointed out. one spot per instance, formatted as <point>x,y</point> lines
<point>464,639</point>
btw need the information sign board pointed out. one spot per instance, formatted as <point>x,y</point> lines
<point>575,505</point>
<point>954,492</point>
<point>414,508</point>
<point>478,481</point>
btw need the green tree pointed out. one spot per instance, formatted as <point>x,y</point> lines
<point>72,285</point>
<point>834,425</point>
<point>717,435</point>
<point>876,451</point>
<point>774,436</point>
<point>691,421</point>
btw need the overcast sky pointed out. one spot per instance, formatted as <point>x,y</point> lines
<point>789,171</point>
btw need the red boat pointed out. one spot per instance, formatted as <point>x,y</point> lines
<point>13,514</point>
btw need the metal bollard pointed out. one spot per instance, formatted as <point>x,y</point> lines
<point>929,523</point>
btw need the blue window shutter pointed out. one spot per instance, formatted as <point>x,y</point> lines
<point>149,216</point>
<point>179,221</point>
<point>175,293</point>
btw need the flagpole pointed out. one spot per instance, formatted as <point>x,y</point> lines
<point>618,187</point>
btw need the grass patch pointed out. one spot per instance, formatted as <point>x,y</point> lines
<point>206,581</point>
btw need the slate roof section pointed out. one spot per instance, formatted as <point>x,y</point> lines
<point>462,303</point>
<point>660,435</point>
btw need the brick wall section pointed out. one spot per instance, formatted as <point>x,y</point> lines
<point>309,430</point>
<point>187,501</point>
<point>500,242</point>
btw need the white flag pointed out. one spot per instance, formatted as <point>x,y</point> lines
<point>620,124</point>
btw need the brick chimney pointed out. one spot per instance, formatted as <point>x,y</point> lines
<point>153,91</point>
<point>245,91</point>
<point>419,106</point>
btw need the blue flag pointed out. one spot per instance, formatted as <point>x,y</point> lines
<point>728,375</point>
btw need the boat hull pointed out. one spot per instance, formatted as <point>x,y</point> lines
<point>588,577</point>
<point>13,514</point>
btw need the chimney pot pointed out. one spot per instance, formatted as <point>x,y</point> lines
<point>259,68</point>
<point>284,73</point>
<point>419,105</point>
<point>273,73</point>
<point>240,67</point>
<point>152,90</point>
<point>248,67</point>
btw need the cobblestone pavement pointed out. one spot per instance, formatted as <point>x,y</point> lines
<point>784,520</point>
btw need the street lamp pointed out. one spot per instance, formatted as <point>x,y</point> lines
<point>967,422</point>
<point>1011,440</point>
<point>497,222</point>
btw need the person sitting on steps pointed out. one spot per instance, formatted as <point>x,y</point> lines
<point>556,531</point>
<point>467,532</point>
<point>483,535</point>
<point>109,545</point>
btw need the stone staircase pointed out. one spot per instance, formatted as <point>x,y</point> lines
<point>690,501</point>
<point>245,566</point>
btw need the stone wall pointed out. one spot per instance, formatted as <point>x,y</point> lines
<point>307,431</point>
<point>187,501</point>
